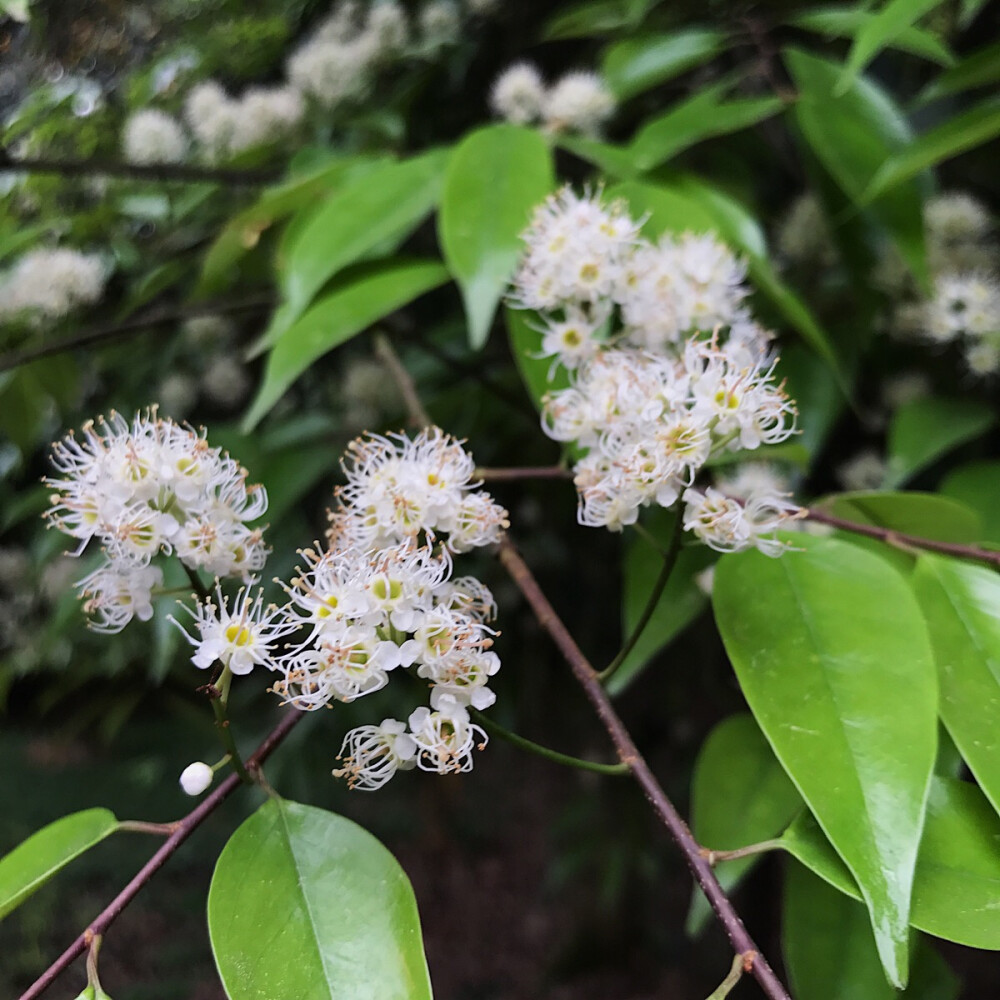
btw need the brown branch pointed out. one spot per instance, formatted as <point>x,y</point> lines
<point>185,827</point>
<point>419,417</point>
<point>902,541</point>
<point>181,173</point>
<point>525,472</point>
<point>629,754</point>
<point>142,321</point>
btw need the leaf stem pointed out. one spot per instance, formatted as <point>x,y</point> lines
<point>495,729</point>
<point>200,589</point>
<point>741,964</point>
<point>185,827</point>
<point>669,562</point>
<point>761,847</point>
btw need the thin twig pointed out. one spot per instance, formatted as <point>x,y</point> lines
<point>741,964</point>
<point>181,173</point>
<point>629,754</point>
<point>906,542</point>
<point>523,472</point>
<point>141,826</point>
<point>414,407</point>
<point>219,710</point>
<point>137,324</point>
<point>185,827</point>
<point>761,847</point>
<point>495,729</point>
<point>652,603</point>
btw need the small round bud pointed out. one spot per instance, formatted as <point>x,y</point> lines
<point>196,777</point>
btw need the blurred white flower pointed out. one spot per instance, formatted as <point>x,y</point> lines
<point>578,102</point>
<point>864,471</point>
<point>50,283</point>
<point>152,136</point>
<point>518,94</point>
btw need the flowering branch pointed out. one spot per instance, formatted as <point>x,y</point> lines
<point>495,729</point>
<point>166,172</point>
<point>140,322</point>
<point>906,542</point>
<point>184,828</point>
<point>629,754</point>
<point>669,562</point>
<point>524,472</point>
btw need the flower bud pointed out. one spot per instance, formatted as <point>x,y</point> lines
<point>196,777</point>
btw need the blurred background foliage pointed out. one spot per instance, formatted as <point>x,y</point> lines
<point>532,882</point>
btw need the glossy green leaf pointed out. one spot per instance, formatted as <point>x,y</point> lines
<point>852,135</point>
<point>830,954</point>
<point>612,160</point>
<point>305,903</point>
<point>849,705</point>
<point>679,605</point>
<point>926,429</point>
<point>739,795</point>
<point>495,178</point>
<point>927,515</point>
<point>699,117</point>
<point>595,18</point>
<point>335,318</point>
<point>371,208</point>
<point>974,127</point>
<point>686,203</point>
<point>962,604</point>
<point>957,882</point>
<point>980,69</point>
<point>637,64</point>
<point>846,20</point>
<point>878,32</point>
<point>978,485</point>
<point>44,854</point>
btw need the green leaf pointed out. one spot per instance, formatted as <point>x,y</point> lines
<point>595,17</point>
<point>495,178</point>
<point>981,69</point>
<point>845,21</point>
<point>852,135</point>
<point>680,603</point>
<point>972,128</point>
<point>849,705</point>
<point>878,31</point>
<point>615,161</point>
<point>685,203</point>
<point>16,10</point>
<point>525,345</point>
<point>335,318</point>
<point>370,209</point>
<point>962,604</point>
<point>699,117</point>
<point>305,903</point>
<point>242,233</point>
<point>957,882</point>
<point>978,485</point>
<point>45,853</point>
<point>924,430</point>
<point>818,398</point>
<point>927,515</point>
<point>637,64</point>
<point>739,795</point>
<point>830,955</point>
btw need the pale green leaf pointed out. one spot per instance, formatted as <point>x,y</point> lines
<point>495,178</point>
<point>305,903</point>
<point>336,317</point>
<point>637,64</point>
<point>978,485</point>
<point>45,853</point>
<point>980,69</point>
<point>849,705</point>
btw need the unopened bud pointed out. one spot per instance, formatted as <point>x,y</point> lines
<point>196,777</point>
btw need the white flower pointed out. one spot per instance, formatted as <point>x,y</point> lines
<point>50,283</point>
<point>196,778</point>
<point>864,471</point>
<point>373,754</point>
<point>387,24</point>
<point>334,71</point>
<point>904,388</point>
<point>963,305</point>
<point>983,358</point>
<point>440,23</point>
<point>225,381</point>
<point>803,236</point>
<point>211,116</point>
<point>444,736</point>
<point>727,525</point>
<point>750,478</point>
<point>578,102</point>
<point>518,93</point>
<point>114,594</point>
<point>238,639</point>
<point>152,136</point>
<point>956,217</point>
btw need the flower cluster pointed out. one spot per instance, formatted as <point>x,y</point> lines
<point>379,597</point>
<point>145,487</point>
<point>577,102</point>
<point>152,136</point>
<point>50,283</point>
<point>667,368</point>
